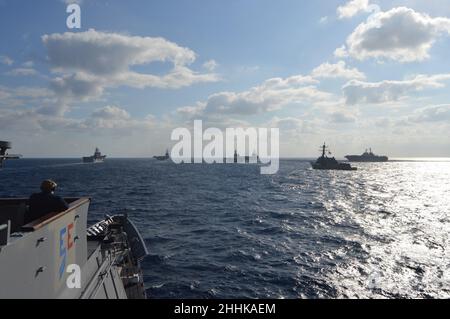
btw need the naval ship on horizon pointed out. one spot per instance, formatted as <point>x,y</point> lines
<point>165,157</point>
<point>96,158</point>
<point>254,159</point>
<point>367,156</point>
<point>330,163</point>
<point>4,147</point>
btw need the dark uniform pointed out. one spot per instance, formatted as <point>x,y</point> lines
<point>44,203</point>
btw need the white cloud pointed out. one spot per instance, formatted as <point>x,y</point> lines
<point>28,64</point>
<point>80,86</point>
<point>323,20</point>
<point>287,123</point>
<point>111,113</point>
<point>400,34</point>
<point>271,95</point>
<point>340,117</point>
<point>436,113</point>
<point>354,7</point>
<point>117,119</point>
<point>389,91</point>
<point>111,119</point>
<point>338,70</point>
<point>26,121</point>
<point>292,126</point>
<point>6,60</point>
<point>85,64</point>
<point>247,69</point>
<point>210,65</point>
<point>110,53</point>
<point>22,72</point>
<point>341,52</point>
<point>91,61</point>
<point>72,1</point>
<point>24,92</point>
<point>43,100</point>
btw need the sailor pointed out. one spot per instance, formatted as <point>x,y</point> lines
<point>45,202</point>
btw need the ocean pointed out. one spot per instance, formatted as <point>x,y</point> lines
<point>226,231</point>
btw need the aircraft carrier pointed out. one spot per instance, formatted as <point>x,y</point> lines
<point>367,156</point>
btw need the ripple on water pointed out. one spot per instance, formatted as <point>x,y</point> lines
<point>225,231</point>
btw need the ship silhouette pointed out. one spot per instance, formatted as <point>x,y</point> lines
<point>96,158</point>
<point>4,147</point>
<point>367,156</point>
<point>163,158</point>
<point>330,163</point>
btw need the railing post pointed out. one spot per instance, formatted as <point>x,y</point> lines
<point>5,230</point>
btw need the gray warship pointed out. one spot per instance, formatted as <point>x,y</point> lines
<point>165,157</point>
<point>4,147</point>
<point>330,163</point>
<point>254,159</point>
<point>367,156</point>
<point>96,158</point>
<point>36,258</point>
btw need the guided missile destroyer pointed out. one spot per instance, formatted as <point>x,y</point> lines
<point>330,163</point>
<point>58,256</point>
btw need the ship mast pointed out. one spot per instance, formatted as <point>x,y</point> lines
<point>324,149</point>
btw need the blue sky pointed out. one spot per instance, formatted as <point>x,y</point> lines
<point>137,69</point>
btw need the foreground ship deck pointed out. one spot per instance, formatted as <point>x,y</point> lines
<point>34,258</point>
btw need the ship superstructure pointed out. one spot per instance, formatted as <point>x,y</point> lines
<point>96,158</point>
